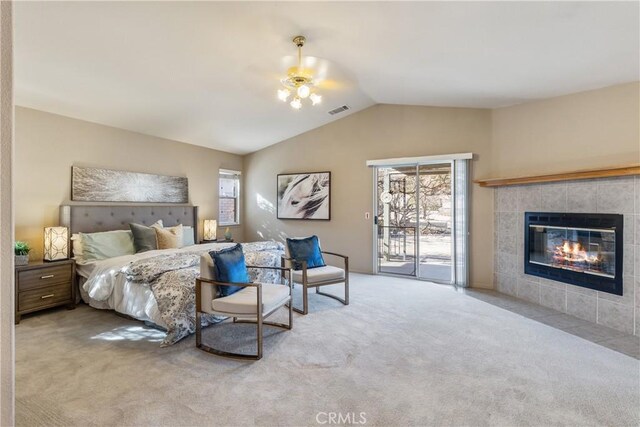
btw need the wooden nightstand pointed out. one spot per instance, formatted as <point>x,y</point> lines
<point>42,285</point>
<point>216,241</point>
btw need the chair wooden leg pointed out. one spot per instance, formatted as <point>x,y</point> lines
<point>335,297</point>
<point>259,328</point>
<point>198,329</point>
<point>346,290</point>
<point>344,300</point>
<point>259,335</point>
<point>198,315</point>
<point>305,299</point>
<point>242,356</point>
<point>230,355</point>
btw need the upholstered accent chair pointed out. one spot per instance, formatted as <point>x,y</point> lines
<point>317,277</point>
<point>252,304</point>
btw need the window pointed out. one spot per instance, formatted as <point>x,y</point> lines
<point>229,197</point>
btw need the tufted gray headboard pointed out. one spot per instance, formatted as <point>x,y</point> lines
<point>94,218</point>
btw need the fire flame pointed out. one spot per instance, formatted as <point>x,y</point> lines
<point>573,252</point>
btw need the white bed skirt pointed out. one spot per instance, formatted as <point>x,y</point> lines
<point>132,299</point>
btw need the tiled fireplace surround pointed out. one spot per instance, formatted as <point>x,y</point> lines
<point>610,195</point>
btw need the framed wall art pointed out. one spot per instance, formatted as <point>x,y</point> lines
<point>305,195</point>
<point>107,185</point>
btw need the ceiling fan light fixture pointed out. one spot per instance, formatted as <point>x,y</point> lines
<point>303,91</point>
<point>299,81</point>
<point>296,103</point>
<point>315,99</point>
<point>283,94</point>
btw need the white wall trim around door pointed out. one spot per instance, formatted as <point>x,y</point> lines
<point>7,299</point>
<point>418,160</point>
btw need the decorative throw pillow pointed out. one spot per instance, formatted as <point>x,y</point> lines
<point>230,267</point>
<point>169,237</point>
<point>76,242</point>
<point>106,244</point>
<point>307,249</point>
<point>187,236</point>
<point>144,238</point>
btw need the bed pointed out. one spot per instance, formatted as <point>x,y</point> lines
<point>157,286</point>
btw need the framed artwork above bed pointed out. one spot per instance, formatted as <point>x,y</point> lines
<point>305,195</point>
<point>107,185</point>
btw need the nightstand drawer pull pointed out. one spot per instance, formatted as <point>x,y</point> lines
<point>47,296</point>
<point>48,276</point>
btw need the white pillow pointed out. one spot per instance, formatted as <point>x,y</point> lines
<point>76,241</point>
<point>157,224</point>
<point>107,244</point>
<point>187,236</point>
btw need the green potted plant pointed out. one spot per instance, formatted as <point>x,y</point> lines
<point>22,250</point>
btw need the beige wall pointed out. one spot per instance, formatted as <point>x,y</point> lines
<point>578,131</point>
<point>47,145</point>
<point>343,147</point>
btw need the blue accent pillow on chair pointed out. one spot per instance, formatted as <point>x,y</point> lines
<point>307,249</point>
<point>230,267</point>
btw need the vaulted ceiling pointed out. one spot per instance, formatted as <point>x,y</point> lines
<point>207,73</point>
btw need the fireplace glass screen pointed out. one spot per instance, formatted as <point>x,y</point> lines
<point>590,251</point>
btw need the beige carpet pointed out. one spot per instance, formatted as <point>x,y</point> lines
<point>403,353</point>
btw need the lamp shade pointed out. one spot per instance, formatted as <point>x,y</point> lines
<point>210,229</point>
<point>56,243</point>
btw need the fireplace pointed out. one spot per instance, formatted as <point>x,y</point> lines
<point>579,249</point>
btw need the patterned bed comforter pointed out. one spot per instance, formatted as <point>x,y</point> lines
<point>171,278</point>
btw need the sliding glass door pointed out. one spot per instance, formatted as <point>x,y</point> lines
<point>417,212</point>
<point>395,220</point>
<point>435,207</point>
